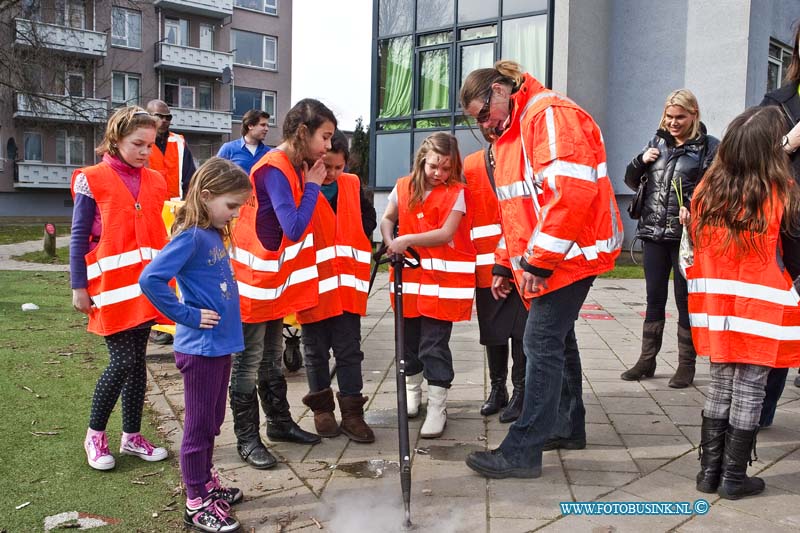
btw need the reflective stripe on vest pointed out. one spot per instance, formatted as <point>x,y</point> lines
<point>273,283</point>
<point>343,254</point>
<point>743,306</point>
<point>170,164</point>
<point>114,265</point>
<point>444,285</point>
<point>486,230</point>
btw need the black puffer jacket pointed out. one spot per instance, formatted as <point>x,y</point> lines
<point>659,221</point>
<point>788,100</point>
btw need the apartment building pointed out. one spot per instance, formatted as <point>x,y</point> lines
<point>210,60</point>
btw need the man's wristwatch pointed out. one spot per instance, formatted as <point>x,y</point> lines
<point>786,146</point>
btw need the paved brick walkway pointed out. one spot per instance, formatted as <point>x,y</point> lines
<point>642,440</point>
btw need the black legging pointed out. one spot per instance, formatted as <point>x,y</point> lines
<point>659,259</point>
<point>125,373</point>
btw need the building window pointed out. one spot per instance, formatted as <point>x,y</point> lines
<point>254,49</point>
<point>205,95</point>
<point>126,28</point>
<point>525,40</point>
<point>125,89</point>
<point>75,85</point>
<point>206,37</point>
<point>247,99</point>
<point>178,93</point>
<point>33,146</point>
<point>395,56</point>
<point>31,9</point>
<point>780,57</point>
<point>70,150</point>
<point>270,7</point>
<point>434,14</point>
<point>176,31</point>
<point>71,13</point>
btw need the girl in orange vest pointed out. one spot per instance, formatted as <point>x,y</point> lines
<point>500,317</point>
<point>275,264</point>
<point>430,206</point>
<point>342,222</point>
<point>743,306</point>
<point>121,196</point>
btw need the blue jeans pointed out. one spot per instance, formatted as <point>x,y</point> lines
<point>775,384</point>
<point>553,365</point>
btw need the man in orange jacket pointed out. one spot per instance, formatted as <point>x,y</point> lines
<point>561,228</point>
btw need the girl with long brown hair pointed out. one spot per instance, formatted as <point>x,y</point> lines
<point>743,304</point>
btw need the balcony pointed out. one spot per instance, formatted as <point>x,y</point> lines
<point>200,120</point>
<point>44,175</point>
<point>59,108</point>
<point>85,43</point>
<point>217,9</point>
<point>193,60</point>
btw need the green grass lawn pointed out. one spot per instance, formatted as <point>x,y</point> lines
<point>39,256</point>
<point>625,267</point>
<point>50,365</point>
<point>13,233</point>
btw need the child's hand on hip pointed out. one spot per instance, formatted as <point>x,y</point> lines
<point>208,319</point>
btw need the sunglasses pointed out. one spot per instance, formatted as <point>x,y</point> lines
<point>483,114</point>
<point>168,117</point>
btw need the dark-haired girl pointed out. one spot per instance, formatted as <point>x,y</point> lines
<point>743,306</point>
<point>275,264</point>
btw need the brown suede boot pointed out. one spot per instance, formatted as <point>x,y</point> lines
<point>684,375</point>
<point>353,424</point>
<point>322,404</point>
<point>645,367</point>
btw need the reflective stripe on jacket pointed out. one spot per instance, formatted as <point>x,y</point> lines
<point>444,285</point>
<point>557,206</point>
<point>273,284</point>
<point>170,164</point>
<point>133,234</point>
<point>343,254</point>
<point>743,307</point>
<point>486,229</point>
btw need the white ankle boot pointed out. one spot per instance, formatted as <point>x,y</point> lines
<point>413,394</point>
<point>436,418</point>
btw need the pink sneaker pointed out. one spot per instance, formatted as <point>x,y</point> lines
<point>97,452</point>
<point>230,495</point>
<point>142,448</point>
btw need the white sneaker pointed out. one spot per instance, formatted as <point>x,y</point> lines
<point>436,419</point>
<point>97,452</point>
<point>413,394</point>
<point>143,449</point>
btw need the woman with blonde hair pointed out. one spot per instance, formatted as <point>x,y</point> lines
<point>669,168</point>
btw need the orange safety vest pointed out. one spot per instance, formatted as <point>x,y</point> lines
<point>273,284</point>
<point>444,285</point>
<point>743,307</point>
<point>170,164</point>
<point>133,234</point>
<point>557,205</point>
<point>486,229</point>
<point>343,254</point>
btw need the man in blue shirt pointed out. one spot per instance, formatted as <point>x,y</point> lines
<point>246,151</point>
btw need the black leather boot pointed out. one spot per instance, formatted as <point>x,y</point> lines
<point>518,364</point>
<point>712,446</point>
<point>497,358</point>
<point>684,375</point>
<point>645,367</point>
<point>245,426</point>
<point>735,484</point>
<point>280,426</point>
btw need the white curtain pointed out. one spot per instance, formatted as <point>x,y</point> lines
<point>525,41</point>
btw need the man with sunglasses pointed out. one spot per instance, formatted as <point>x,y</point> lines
<point>170,155</point>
